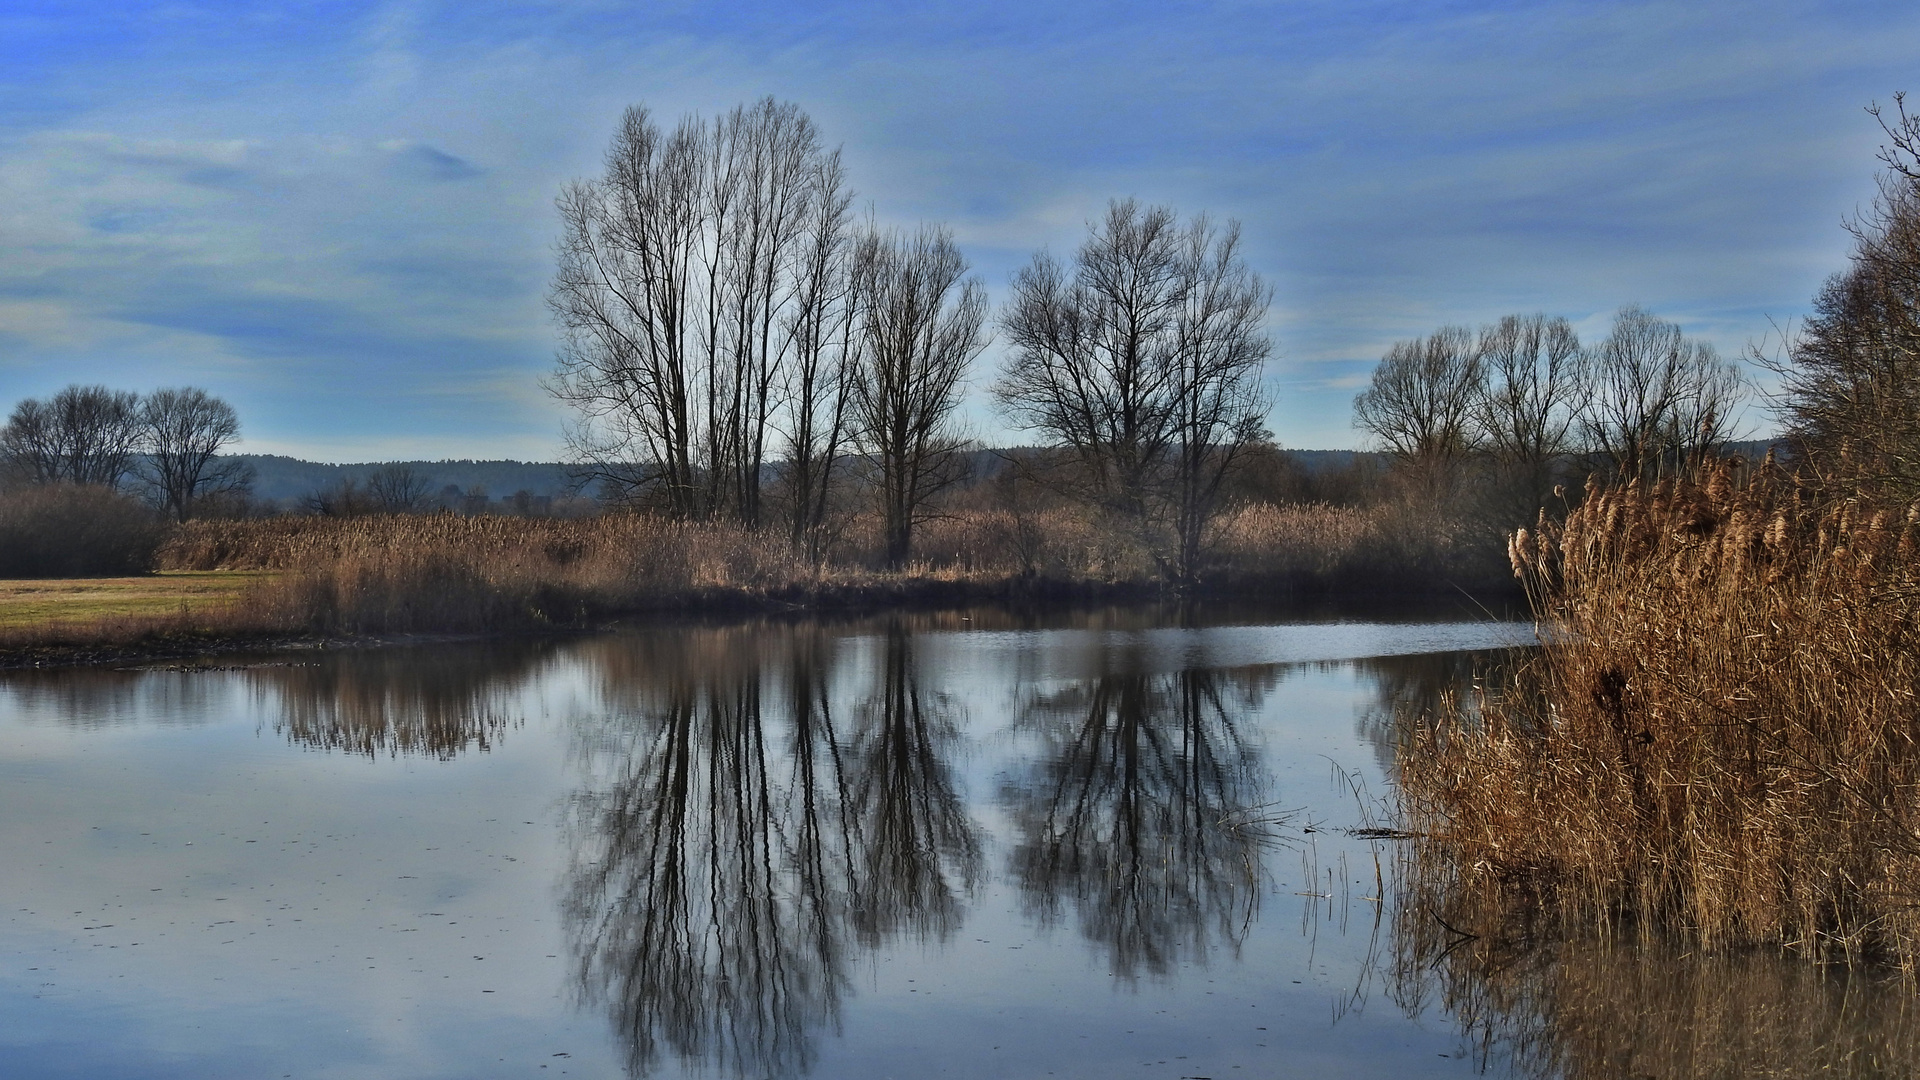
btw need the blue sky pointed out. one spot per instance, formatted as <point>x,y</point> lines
<point>339,215</point>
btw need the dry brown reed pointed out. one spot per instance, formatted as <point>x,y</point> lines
<point>447,573</point>
<point>1717,739</point>
<point>1391,546</point>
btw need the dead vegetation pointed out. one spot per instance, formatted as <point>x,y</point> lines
<point>1717,740</point>
<point>446,573</point>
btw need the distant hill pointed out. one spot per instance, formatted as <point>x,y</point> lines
<point>286,480</point>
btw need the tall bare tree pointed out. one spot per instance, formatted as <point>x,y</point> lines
<point>1660,400</point>
<point>823,331</point>
<point>1527,416</point>
<point>1092,363</point>
<point>1422,402</point>
<point>82,435</point>
<point>674,290</point>
<point>1144,363</point>
<point>184,431</point>
<point>922,324</point>
<point>1219,405</point>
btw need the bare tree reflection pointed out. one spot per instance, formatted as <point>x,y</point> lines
<point>438,702</point>
<point>743,844</point>
<point>920,852</point>
<point>1129,813</point>
<point>1422,684</point>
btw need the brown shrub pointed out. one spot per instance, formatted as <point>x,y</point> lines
<point>64,530</point>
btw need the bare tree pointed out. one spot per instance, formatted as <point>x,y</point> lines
<point>1092,365</point>
<point>185,429</point>
<point>343,499</point>
<point>823,329</point>
<point>1219,406</point>
<point>1422,402</point>
<point>1536,375</point>
<point>397,489</point>
<point>32,444</point>
<point>921,325</point>
<point>674,289</point>
<point>1144,363</point>
<point>1659,400</point>
<point>82,435</point>
<point>1851,383</point>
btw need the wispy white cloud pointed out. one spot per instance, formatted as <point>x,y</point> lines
<point>353,206</point>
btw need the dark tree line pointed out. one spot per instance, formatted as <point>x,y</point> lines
<point>165,443</point>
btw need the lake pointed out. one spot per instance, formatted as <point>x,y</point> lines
<point>1111,843</point>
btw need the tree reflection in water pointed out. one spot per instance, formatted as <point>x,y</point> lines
<point>1136,808</point>
<point>432,701</point>
<point>1419,684</point>
<point>744,837</point>
<point>920,850</point>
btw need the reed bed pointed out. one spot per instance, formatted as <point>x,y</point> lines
<point>1389,547</point>
<point>447,573</point>
<point>450,574</point>
<point>1717,739</point>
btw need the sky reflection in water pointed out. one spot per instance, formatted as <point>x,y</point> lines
<point>868,850</point>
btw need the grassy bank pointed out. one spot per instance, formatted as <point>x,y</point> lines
<point>28,605</point>
<point>1720,739</point>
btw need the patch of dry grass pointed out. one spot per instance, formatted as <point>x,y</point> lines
<point>32,602</point>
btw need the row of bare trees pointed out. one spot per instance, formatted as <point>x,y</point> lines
<point>736,344</point>
<point>1525,398</point>
<point>722,310</point>
<point>167,442</point>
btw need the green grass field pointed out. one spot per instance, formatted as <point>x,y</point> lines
<point>40,602</point>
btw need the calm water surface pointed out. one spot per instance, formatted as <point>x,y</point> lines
<point>948,846</point>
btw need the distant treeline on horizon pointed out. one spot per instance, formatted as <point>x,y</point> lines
<point>287,480</point>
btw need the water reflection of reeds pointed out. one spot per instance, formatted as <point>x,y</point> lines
<point>1534,997</point>
<point>1587,1008</point>
<point>434,702</point>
